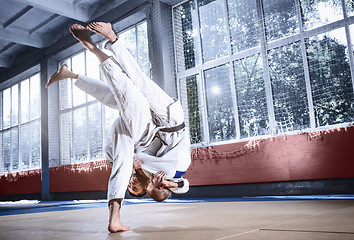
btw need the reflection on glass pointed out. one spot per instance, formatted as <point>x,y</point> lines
<point>289,89</point>
<point>220,105</point>
<point>80,135</point>
<point>35,97</point>
<point>330,78</point>
<point>95,131</point>
<point>14,105</point>
<point>25,146</point>
<point>192,106</point>
<point>6,108</point>
<point>251,97</point>
<point>66,154</point>
<point>213,29</point>
<point>280,18</point>
<point>6,148</point>
<point>36,144</point>
<point>129,38</point>
<point>25,101</point>
<point>65,94</point>
<point>78,67</point>
<point>186,35</point>
<point>14,148</point>
<point>316,13</point>
<point>143,51</point>
<point>243,20</point>
<point>349,4</point>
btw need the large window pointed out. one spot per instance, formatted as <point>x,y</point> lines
<point>20,126</point>
<point>255,68</point>
<point>84,123</point>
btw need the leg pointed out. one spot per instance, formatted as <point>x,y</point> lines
<point>81,34</point>
<point>159,101</point>
<point>61,74</point>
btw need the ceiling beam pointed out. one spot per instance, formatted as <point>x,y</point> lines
<point>67,9</point>
<point>16,16</point>
<point>22,37</point>
<point>6,61</point>
<point>105,6</point>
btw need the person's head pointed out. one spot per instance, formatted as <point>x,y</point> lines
<point>156,189</point>
<point>158,194</point>
<point>137,186</point>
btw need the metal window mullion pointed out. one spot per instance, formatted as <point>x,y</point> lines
<point>232,74</point>
<point>204,108</point>
<point>202,79</point>
<point>349,43</point>
<point>306,68</point>
<point>72,116</point>
<point>29,118</point>
<point>87,115</point>
<point>266,71</point>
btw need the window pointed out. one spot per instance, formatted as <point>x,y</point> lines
<point>20,126</point>
<point>249,69</point>
<point>85,123</point>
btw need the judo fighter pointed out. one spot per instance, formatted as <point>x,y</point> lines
<point>149,139</point>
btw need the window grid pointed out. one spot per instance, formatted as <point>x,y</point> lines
<point>20,139</point>
<point>313,28</point>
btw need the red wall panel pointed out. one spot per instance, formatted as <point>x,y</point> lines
<point>316,155</point>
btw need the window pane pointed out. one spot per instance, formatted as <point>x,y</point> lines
<point>35,97</point>
<point>25,101</point>
<point>66,138</point>
<point>251,97</point>
<point>79,133</point>
<point>24,146</point>
<point>6,108</point>
<point>350,7</point>
<point>143,51</point>
<point>78,66</point>
<point>6,148</point>
<point>289,89</point>
<point>14,148</point>
<point>110,116</point>
<point>280,18</point>
<point>213,27</point>
<point>219,103</point>
<point>14,105</point>
<point>243,20</point>
<point>316,13</point>
<point>36,144</point>
<point>92,69</point>
<point>186,35</point>
<point>330,78</point>
<point>129,38</point>
<point>65,94</point>
<point>192,106</point>
<point>95,131</point>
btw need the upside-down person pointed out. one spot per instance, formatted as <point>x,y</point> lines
<point>150,127</point>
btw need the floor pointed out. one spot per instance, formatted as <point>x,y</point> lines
<point>328,217</point>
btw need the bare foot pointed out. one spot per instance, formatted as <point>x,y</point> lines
<point>115,225</point>
<point>81,34</point>
<point>103,29</point>
<point>61,74</point>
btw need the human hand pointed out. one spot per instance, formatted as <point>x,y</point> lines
<point>158,179</point>
<point>137,163</point>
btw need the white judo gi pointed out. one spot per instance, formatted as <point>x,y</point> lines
<point>150,127</point>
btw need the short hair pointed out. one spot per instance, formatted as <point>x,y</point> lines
<point>140,195</point>
<point>159,195</point>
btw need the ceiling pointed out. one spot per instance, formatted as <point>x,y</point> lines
<point>26,25</point>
